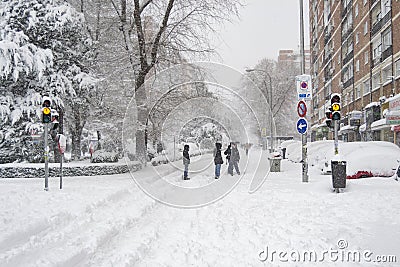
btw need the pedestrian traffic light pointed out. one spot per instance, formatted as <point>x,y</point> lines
<point>46,109</point>
<point>335,106</point>
<point>329,123</point>
<point>54,118</point>
<point>328,114</point>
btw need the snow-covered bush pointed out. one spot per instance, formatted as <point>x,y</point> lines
<point>101,156</point>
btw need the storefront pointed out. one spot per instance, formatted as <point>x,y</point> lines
<point>393,118</point>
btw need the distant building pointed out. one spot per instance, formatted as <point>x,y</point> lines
<point>290,57</point>
<point>355,51</point>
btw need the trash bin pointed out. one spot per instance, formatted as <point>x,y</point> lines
<point>283,152</point>
<point>338,174</point>
<point>275,164</point>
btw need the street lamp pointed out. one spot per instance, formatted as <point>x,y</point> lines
<point>269,100</point>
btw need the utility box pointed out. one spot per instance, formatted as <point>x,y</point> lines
<point>338,174</point>
<point>275,164</point>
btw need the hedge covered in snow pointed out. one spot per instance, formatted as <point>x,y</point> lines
<point>85,170</point>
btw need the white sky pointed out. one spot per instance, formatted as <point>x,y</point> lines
<point>264,28</point>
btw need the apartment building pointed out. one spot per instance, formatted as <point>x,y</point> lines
<point>293,57</point>
<point>355,51</point>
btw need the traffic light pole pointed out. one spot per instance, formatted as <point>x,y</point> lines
<point>336,136</point>
<point>46,157</point>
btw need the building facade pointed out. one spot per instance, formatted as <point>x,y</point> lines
<point>293,57</point>
<point>355,51</point>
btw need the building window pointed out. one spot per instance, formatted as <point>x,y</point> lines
<point>376,48</point>
<point>357,65</point>
<point>366,57</point>
<point>366,28</point>
<point>376,81</point>
<point>357,38</point>
<point>397,68</point>
<point>366,87</point>
<point>386,7</point>
<point>387,74</point>
<point>358,92</point>
<point>356,10</point>
<point>365,2</point>
<point>387,38</point>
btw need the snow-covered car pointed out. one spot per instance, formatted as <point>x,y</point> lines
<point>363,159</point>
<point>367,159</point>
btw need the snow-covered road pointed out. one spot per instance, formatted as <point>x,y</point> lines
<point>108,221</point>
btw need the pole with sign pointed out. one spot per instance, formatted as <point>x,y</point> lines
<point>62,145</point>
<point>304,93</point>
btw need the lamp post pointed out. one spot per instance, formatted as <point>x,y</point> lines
<point>269,100</point>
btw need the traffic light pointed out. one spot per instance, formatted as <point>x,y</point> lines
<point>328,114</point>
<point>329,123</point>
<point>54,118</point>
<point>335,106</point>
<point>46,109</point>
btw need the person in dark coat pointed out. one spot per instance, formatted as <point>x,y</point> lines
<point>228,153</point>
<point>186,162</point>
<point>218,161</point>
<point>234,160</point>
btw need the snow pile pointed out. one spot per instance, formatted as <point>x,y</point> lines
<point>376,157</point>
<point>168,155</point>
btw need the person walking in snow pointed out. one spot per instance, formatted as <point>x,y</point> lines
<point>186,162</point>
<point>234,160</point>
<point>218,161</point>
<point>228,153</point>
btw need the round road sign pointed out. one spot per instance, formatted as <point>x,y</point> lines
<point>301,109</point>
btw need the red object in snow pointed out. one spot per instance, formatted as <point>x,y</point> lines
<point>360,174</point>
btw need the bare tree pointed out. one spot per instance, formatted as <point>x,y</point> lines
<point>159,32</point>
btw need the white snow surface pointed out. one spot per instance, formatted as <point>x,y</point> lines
<point>109,221</point>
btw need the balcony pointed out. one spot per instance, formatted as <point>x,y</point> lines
<point>328,58</point>
<point>348,82</point>
<point>347,33</point>
<point>387,53</point>
<point>376,27</point>
<point>348,57</point>
<point>327,36</point>
<point>386,18</point>
<point>376,61</point>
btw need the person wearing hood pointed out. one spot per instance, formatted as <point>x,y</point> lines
<point>228,153</point>
<point>218,161</point>
<point>186,162</point>
<point>234,160</point>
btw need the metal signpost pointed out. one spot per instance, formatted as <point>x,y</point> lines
<point>304,93</point>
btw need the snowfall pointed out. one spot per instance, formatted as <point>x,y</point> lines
<point>110,221</point>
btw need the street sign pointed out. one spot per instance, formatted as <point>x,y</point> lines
<point>62,143</point>
<point>304,87</point>
<point>301,109</point>
<point>302,126</point>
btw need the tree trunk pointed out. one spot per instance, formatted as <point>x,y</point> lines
<point>142,109</point>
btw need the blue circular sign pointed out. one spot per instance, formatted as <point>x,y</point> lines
<point>302,126</point>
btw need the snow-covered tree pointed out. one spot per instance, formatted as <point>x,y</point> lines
<point>43,49</point>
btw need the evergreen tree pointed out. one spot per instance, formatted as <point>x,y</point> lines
<point>43,49</point>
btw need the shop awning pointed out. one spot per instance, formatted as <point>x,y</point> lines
<point>379,125</point>
<point>347,128</point>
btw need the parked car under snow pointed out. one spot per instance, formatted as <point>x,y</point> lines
<point>363,159</point>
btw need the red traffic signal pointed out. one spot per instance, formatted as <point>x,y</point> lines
<point>328,115</point>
